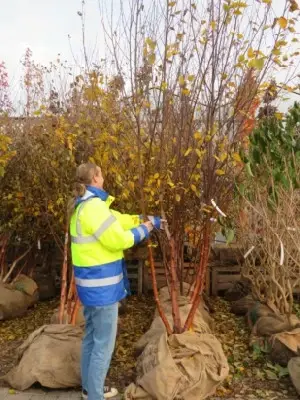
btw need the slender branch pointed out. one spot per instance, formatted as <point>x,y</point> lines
<point>64,277</point>
<point>14,264</point>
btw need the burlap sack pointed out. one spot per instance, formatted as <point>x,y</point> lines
<point>13,302</point>
<point>242,306</point>
<point>158,328</point>
<point>50,356</point>
<point>203,323</point>
<point>285,346</point>
<point>184,299</point>
<point>25,284</point>
<point>190,366</point>
<point>184,302</point>
<point>272,324</point>
<point>164,292</point>
<point>257,311</point>
<point>294,371</point>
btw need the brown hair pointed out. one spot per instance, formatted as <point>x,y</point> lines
<point>84,176</point>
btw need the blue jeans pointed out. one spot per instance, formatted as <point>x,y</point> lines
<point>97,348</point>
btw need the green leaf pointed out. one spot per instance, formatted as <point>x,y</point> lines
<point>271,375</point>
<point>181,80</point>
<point>242,189</point>
<point>163,85</point>
<point>238,4</point>
<point>229,236</point>
<point>152,58</point>
<point>285,182</point>
<point>248,169</point>
<point>256,155</point>
<point>257,63</point>
<point>151,43</point>
<point>282,371</point>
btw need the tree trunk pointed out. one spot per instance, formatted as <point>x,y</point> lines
<point>155,291</point>
<point>64,278</point>
<point>200,278</point>
<point>75,311</point>
<point>71,294</point>
<point>174,289</point>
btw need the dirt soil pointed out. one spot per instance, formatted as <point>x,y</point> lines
<point>251,375</point>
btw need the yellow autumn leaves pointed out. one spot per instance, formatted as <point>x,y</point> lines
<point>233,160</point>
<point>5,153</point>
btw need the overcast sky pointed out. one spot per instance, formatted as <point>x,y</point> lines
<point>44,27</point>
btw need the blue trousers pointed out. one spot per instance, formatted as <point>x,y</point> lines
<point>97,347</point>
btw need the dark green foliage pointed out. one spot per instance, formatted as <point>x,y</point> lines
<point>274,151</point>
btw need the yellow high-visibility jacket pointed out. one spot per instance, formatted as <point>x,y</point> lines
<point>99,236</point>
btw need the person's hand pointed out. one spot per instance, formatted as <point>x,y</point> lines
<point>148,225</point>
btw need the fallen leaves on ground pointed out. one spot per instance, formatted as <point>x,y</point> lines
<point>14,331</point>
<point>251,374</point>
<point>133,324</point>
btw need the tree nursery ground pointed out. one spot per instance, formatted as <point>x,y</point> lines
<point>251,375</point>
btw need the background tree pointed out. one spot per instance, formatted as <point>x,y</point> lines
<point>165,116</point>
<point>186,68</point>
<point>270,199</point>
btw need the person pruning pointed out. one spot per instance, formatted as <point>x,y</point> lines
<point>99,235</point>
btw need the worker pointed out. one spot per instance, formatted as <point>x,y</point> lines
<point>99,235</point>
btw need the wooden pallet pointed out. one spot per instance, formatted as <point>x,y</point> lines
<point>218,277</point>
<point>135,275</point>
<point>161,278</point>
<point>223,277</point>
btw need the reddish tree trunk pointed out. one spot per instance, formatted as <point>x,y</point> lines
<point>200,278</point>
<point>71,294</point>
<point>174,289</point>
<point>64,278</point>
<point>155,291</point>
<point>75,311</point>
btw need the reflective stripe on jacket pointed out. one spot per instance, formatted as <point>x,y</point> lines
<point>98,238</point>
